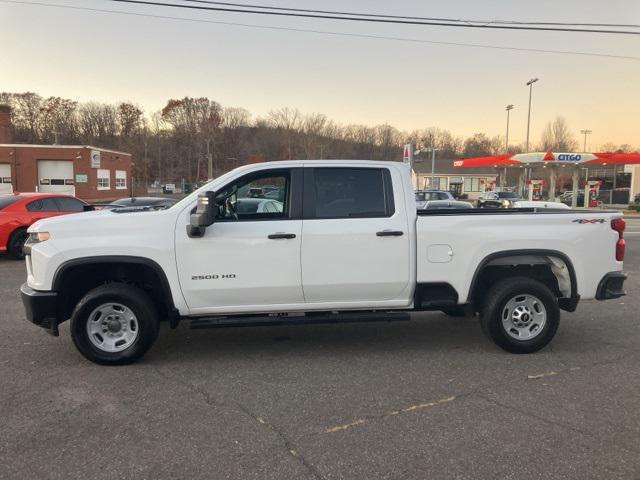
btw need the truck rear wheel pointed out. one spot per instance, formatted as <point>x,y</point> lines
<point>114,324</point>
<point>520,315</point>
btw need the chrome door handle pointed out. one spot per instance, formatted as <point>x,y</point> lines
<point>277,236</point>
<point>390,233</point>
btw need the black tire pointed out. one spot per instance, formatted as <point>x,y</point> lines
<point>495,302</point>
<point>131,297</point>
<point>16,242</point>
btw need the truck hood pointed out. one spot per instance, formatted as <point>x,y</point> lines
<point>99,221</point>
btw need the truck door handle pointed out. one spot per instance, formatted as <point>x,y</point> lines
<point>276,236</point>
<point>390,233</point>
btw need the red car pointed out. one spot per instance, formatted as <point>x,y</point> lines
<point>20,210</point>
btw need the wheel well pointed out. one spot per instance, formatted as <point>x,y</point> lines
<point>74,281</point>
<point>16,230</point>
<point>553,271</point>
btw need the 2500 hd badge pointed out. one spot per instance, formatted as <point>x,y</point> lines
<point>213,277</point>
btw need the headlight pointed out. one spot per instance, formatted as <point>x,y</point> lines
<point>34,238</point>
<point>506,203</point>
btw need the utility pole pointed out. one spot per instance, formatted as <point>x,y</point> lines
<point>209,161</point>
<point>506,143</point>
<point>585,133</point>
<point>530,85</point>
<point>55,137</point>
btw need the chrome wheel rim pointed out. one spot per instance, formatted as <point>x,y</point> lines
<point>112,327</point>
<point>524,317</point>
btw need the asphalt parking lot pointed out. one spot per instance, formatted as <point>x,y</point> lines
<point>431,398</point>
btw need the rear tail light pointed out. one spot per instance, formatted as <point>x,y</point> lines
<point>618,224</point>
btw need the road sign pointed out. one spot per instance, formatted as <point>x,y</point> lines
<point>95,158</point>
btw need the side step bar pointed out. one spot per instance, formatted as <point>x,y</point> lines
<point>303,319</point>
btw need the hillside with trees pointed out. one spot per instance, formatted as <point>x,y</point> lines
<point>177,141</point>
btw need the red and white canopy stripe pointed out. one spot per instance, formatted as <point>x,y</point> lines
<point>548,157</point>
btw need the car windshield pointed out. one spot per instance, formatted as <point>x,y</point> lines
<point>507,195</point>
<point>7,200</point>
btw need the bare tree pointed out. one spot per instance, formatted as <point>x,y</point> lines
<point>557,136</point>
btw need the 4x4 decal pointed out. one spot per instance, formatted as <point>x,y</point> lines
<point>582,221</point>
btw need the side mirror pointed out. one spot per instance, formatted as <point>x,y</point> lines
<point>205,215</point>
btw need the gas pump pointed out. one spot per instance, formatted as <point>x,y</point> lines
<point>488,185</point>
<point>592,189</point>
<point>535,189</point>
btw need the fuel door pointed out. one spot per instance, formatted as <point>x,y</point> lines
<point>439,253</point>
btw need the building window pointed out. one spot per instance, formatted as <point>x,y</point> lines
<point>104,179</point>
<point>473,184</point>
<point>121,180</point>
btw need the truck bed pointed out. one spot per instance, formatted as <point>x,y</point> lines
<point>452,244</point>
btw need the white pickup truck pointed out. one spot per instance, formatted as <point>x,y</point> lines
<point>297,242</point>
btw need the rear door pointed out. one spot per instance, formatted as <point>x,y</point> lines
<point>356,242</point>
<point>70,205</point>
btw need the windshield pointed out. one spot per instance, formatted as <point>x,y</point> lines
<point>507,195</point>
<point>7,200</point>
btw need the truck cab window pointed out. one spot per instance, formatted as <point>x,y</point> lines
<point>349,193</point>
<point>257,197</point>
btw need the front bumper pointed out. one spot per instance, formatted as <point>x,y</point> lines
<point>611,286</point>
<point>41,308</point>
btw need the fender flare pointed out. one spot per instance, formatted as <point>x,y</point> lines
<point>522,252</point>
<point>127,259</point>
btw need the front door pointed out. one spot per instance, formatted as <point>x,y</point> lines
<point>249,259</point>
<point>356,243</point>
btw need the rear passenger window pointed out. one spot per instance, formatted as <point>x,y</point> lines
<point>351,193</point>
<point>68,204</point>
<point>43,205</point>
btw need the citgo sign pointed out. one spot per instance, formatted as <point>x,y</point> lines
<point>569,157</point>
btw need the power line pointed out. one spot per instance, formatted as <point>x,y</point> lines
<point>325,32</point>
<point>375,20</point>
<point>457,20</point>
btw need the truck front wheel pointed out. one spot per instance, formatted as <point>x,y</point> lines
<point>520,315</point>
<point>114,324</point>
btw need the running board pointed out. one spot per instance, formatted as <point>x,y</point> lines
<point>303,319</point>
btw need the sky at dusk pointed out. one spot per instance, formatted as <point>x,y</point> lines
<point>109,57</point>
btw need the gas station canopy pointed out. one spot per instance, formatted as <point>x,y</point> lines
<point>550,158</point>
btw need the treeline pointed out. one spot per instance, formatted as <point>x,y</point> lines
<point>178,141</point>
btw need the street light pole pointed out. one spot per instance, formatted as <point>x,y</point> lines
<point>585,133</point>
<point>530,85</point>
<point>506,143</point>
<point>433,164</point>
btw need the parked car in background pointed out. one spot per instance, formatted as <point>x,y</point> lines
<point>636,199</point>
<point>540,204</point>
<point>423,196</point>
<point>18,211</point>
<point>445,205</point>
<point>497,199</point>
<point>157,203</point>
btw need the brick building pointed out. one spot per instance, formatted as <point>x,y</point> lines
<point>87,172</point>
